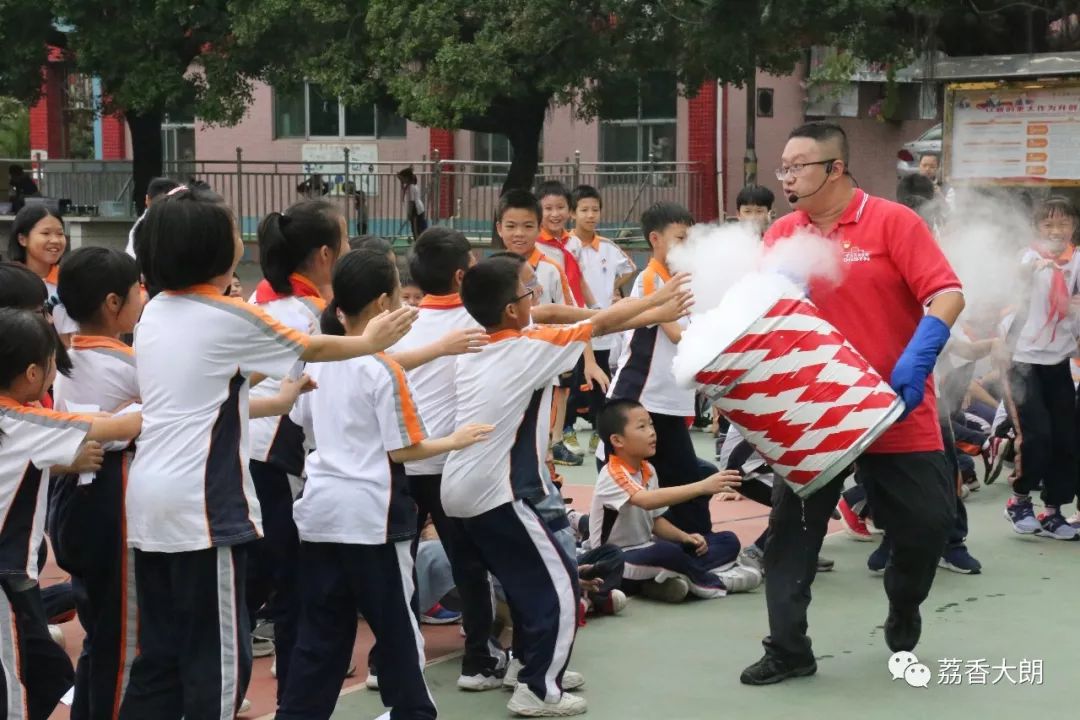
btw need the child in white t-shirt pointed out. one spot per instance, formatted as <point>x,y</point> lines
<point>190,504</point>
<point>662,561</point>
<point>1039,387</point>
<point>36,672</point>
<point>356,518</point>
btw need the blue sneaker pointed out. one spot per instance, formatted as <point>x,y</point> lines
<point>1054,525</point>
<point>1022,516</point>
<point>880,557</point>
<point>563,455</point>
<point>959,560</point>
<point>439,615</point>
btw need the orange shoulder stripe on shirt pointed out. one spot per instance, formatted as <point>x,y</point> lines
<point>413,429</point>
<point>213,294</point>
<point>649,275</point>
<point>622,476</point>
<point>441,302</point>
<point>560,334</point>
<point>98,342</point>
<point>42,413</point>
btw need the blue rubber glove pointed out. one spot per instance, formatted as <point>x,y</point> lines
<point>917,362</point>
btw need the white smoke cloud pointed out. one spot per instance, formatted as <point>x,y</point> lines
<point>719,256</point>
<point>983,237</point>
<point>735,279</point>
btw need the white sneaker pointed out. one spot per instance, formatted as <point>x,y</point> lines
<point>751,556</point>
<point>740,578</point>
<point>372,682</point>
<point>261,647</point>
<point>617,602</point>
<point>570,680</point>
<point>479,682</point>
<point>526,704</point>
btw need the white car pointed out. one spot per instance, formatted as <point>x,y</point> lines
<point>907,160</point>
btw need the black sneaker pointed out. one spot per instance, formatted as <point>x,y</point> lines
<point>563,455</point>
<point>959,560</point>
<point>902,628</point>
<point>879,558</point>
<point>770,670</point>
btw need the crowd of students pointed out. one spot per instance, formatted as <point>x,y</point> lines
<point>198,460</point>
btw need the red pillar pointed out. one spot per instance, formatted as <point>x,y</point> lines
<point>47,114</point>
<point>702,151</point>
<point>443,141</point>
<point>113,137</point>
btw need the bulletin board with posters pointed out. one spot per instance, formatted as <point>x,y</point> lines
<point>1012,133</point>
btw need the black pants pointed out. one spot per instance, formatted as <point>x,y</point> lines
<point>86,525</point>
<point>607,563</point>
<point>194,656</point>
<point>482,652</point>
<point>273,560</point>
<point>541,587</point>
<point>752,488</point>
<point>336,581</point>
<point>1040,399</point>
<point>912,495</point>
<point>676,464</point>
<point>36,671</point>
<point>589,401</point>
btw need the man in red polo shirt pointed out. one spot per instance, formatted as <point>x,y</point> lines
<point>895,303</point>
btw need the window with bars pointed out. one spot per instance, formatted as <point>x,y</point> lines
<point>308,112</point>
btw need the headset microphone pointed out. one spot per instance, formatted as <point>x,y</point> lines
<point>795,197</point>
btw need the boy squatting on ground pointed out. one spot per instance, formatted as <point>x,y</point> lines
<point>627,510</point>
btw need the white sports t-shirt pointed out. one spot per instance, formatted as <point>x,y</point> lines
<point>1042,340</point>
<point>278,440</point>
<point>33,441</point>
<point>433,384</point>
<point>354,494</point>
<point>508,385</point>
<point>645,367</point>
<point>602,263</point>
<point>103,374</point>
<point>612,517</point>
<point>189,487</point>
<point>556,288</point>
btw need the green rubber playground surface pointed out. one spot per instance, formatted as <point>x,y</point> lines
<point>1015,628</point>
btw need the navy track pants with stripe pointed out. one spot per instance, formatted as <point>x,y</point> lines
<point>541,587</point>
<point>337,580</point>
<point>36,671</point>
<point>86,524</point>
<point>194,657</point>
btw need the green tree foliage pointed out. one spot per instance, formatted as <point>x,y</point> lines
<point>14,129</point>
<point>486,65</point>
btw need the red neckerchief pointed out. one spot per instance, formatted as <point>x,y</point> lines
<point>301,287</point>
<point>570,263</point>
<point>1059,291</point>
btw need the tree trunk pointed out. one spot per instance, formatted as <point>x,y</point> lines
<point>146,152</point>
<point>523,129</point>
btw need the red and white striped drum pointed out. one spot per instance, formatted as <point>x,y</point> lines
<point>797,391</point>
